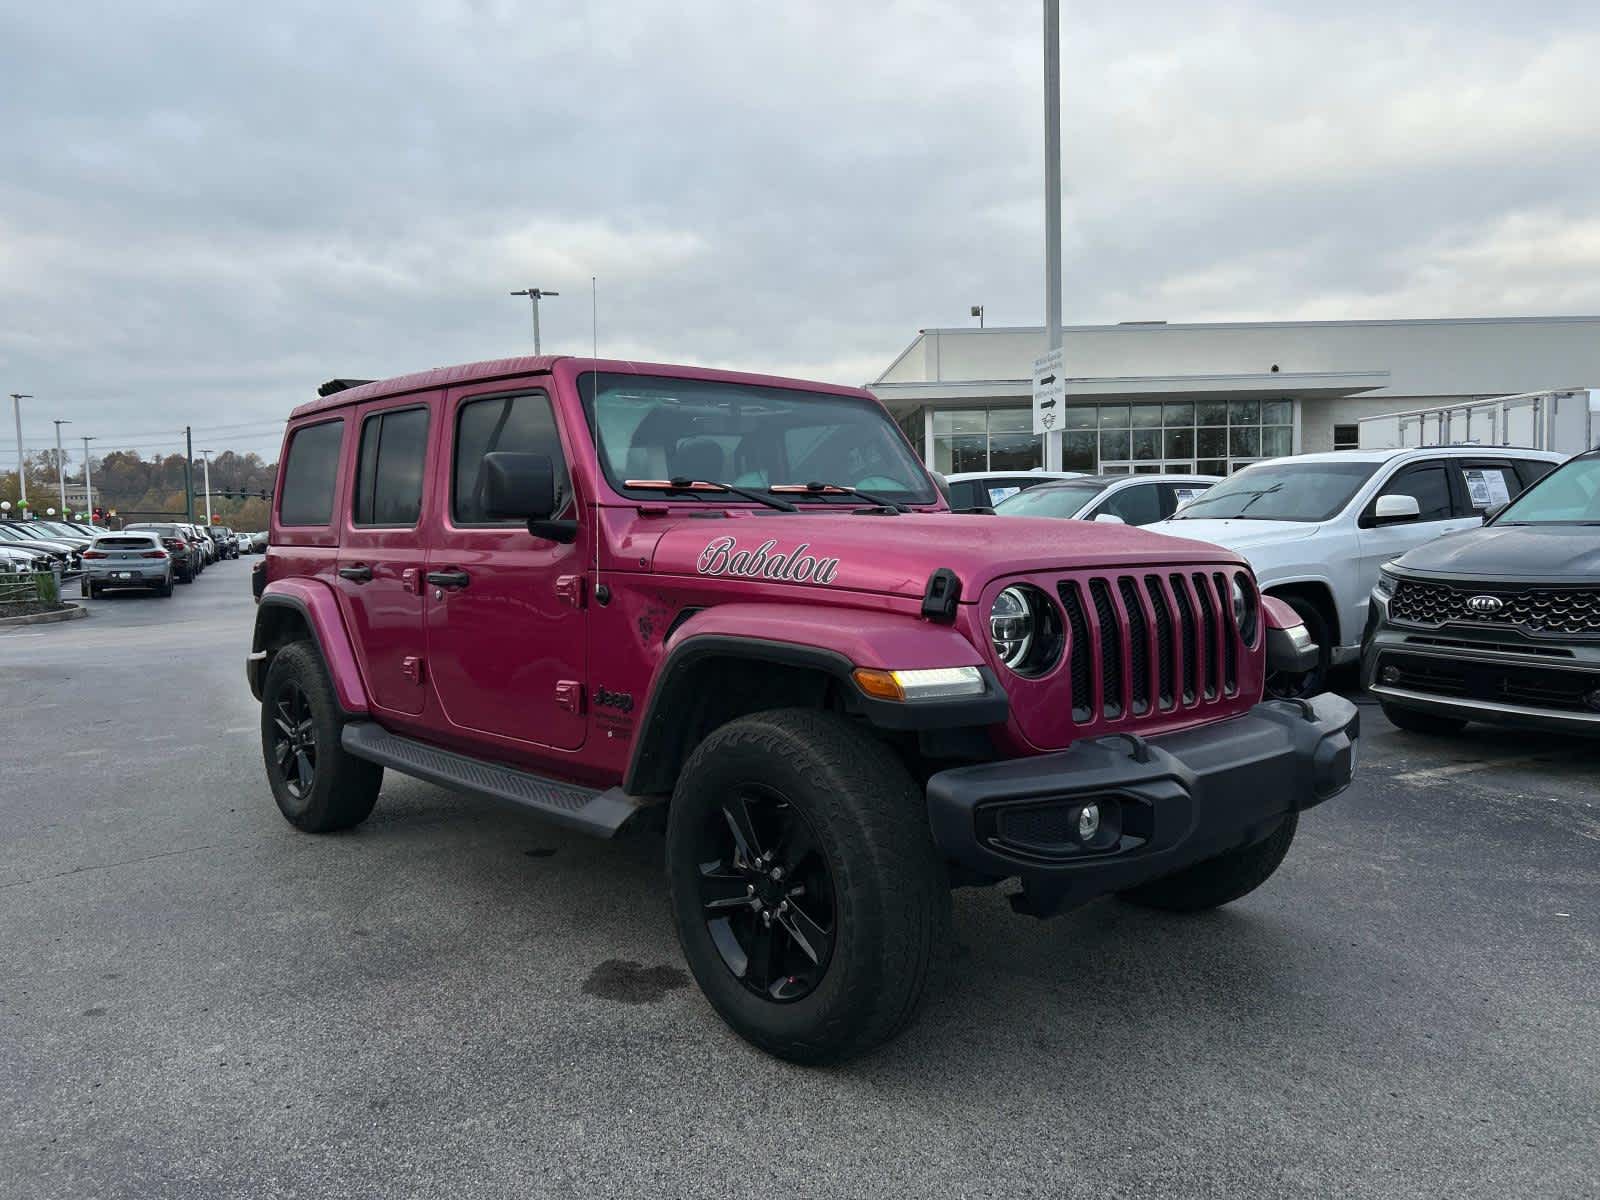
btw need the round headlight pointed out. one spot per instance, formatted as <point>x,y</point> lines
<point>1025,630</point>
<point>1244,610</point>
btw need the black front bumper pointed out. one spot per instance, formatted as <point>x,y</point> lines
<point>1164,803</point>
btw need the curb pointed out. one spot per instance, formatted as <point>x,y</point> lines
<point>71,612</point>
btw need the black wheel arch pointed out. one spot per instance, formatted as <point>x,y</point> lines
<point>281,620</point>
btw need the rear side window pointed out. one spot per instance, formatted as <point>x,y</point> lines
<point>310,470</point>
<point>1488,485</point>
<point>522,423</point>
<point>389,472</point>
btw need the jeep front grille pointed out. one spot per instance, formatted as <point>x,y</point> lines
<point>1536,610</point>
<point>1149,643</point>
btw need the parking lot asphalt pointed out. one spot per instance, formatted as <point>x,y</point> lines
<point>456,1000</point>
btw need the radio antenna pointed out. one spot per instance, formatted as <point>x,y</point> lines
<point>594,403</point>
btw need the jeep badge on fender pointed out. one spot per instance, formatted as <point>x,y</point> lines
<point>841,697</point>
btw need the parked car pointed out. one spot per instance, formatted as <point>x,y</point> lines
<point>17,558</point>
<point>63,553</point>
<point>242,544</point>
<point>1127,499</point>
<point>597,589</point>
<point>1315,528</point>
<point>186,554</point>
<point>227,544</point>
<point>208,548</point>
<point>1499,624</point>
<point>258,542</point>
<point>131,559</point>
<point>970,491</point>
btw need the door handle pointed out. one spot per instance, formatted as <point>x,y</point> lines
<point>453,578</point>
<point>360,573</point>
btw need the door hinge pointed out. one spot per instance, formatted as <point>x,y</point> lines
<point>411,668</point>
<point>571,589</point>
<point>569,695</point>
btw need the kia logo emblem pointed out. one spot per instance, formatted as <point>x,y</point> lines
<point>1485,604</point>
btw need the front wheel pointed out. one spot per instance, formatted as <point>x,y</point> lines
<point>1286,685</point>
<point>808,897</point>
<point>318,785</point>
<point>1218,880</point>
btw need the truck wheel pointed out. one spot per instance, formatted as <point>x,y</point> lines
<point>318,786</point>
<point>1413,721</point>
<point>809,899</point>
<point>1307,683</point>
<point>1218,880</point>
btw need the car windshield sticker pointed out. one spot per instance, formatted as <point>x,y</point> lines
<point>723,557</point>
<point>1487,488</point>
<point>1186,494</point>
<point>997,494</point>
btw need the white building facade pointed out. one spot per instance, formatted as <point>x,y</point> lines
<point>1152,397</point>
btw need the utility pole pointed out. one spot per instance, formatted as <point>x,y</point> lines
<point>206,456</point>
<point>1052,203</point>
<point>188,473</point>
<point>22,475</point>
<point>61,467</point>
<point>535,294</point>
<point>88,487</point>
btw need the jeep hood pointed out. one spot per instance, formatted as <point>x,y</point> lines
<point>896,554</point>
<point>1239,534</point>
<point>1529,553</point>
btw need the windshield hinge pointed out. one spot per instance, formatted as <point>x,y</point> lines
<point>940,597</point>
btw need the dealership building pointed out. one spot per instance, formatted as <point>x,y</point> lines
<point>1209,398</point>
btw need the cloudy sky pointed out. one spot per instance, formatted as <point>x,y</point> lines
<point>206,209</point>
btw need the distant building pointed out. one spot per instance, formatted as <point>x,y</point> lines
<point>1148,396</point>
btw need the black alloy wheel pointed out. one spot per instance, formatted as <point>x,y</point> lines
<point>294,747</point>
<point>767,894</point>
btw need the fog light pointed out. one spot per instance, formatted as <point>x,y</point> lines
<point>1088,822</point>
<point>1390,675</point>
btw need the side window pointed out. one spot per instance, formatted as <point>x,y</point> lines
<point>524,423</point>
<point>967,493</point>
<point>394,445</point>
<point>1174,495</point>
<point>1488,485</point>
<point>1429,485</point>
<point>310,470</point>
<point>1533,469</point>
<point>1136,505</point>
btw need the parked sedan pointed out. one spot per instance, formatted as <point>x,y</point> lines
<point>131,559</point>
<point>227,544</point>
<point>978,491</point>
<point>17,538</point>
<point>1122,499</point>
<point>18,558</point>
<point>185,553</point>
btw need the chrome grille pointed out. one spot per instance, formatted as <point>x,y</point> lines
<point>1141,644</point>
<point>1537,610</point>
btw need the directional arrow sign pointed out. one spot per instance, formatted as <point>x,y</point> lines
<point>1049,392</point>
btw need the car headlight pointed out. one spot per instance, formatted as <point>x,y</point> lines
<point>1026,630</point>
<point>1387,582</point>
<point>1244,609</point>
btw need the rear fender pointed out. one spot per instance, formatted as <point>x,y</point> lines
<point>291,608</point>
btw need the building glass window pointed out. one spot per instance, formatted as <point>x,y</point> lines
<point>1347,437</point>
<point>1000,439</point>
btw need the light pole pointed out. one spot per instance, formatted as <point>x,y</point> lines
<point>61,465</point>
<point>206,455</point>
<point>88,487</point>
<point>535,294</point>
<point>1052,203</point>
<point>22,476</point>
<point>977,311</point>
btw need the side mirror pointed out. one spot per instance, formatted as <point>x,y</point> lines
<point>943,485</point>
<point>1394,510</point>
<point>516,484</point>
<point>1109,519</point>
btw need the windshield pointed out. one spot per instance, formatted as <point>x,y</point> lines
<point>1569,495</point>
<point>1048,501</point>
<point>657,427</point>
<point>1281,491</point>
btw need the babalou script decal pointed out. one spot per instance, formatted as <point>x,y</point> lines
<point>724,557</point>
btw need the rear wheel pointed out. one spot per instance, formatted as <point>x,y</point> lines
<point>318,786</point>
<point>1218,880</point>
<point>809,899</point>
<point>166,587</point>
<point>1413,721</point>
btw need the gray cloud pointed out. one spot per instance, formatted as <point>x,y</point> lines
<point>206,210</point>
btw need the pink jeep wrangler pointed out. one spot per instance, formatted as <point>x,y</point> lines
<point>605,590</point>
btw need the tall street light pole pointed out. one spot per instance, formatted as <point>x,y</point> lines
<point>535,294</point>
<point>206,455</point>
<point>88,485</point>
<point>61,467</point>
<point>22,476</point>
<point>1052,203</point>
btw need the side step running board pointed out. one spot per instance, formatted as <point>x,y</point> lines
<point>581,808</point>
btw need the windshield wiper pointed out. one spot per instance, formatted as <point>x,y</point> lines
<point>1199,501</point>
<point>683,484</point>
<point>824,490</point>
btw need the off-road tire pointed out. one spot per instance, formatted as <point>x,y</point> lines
<point>344,787</point>
<point>1219,880</point>
<point>1413,721</point>
<point>890,891</point>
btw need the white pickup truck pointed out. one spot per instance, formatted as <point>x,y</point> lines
<point>1317,527</point>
